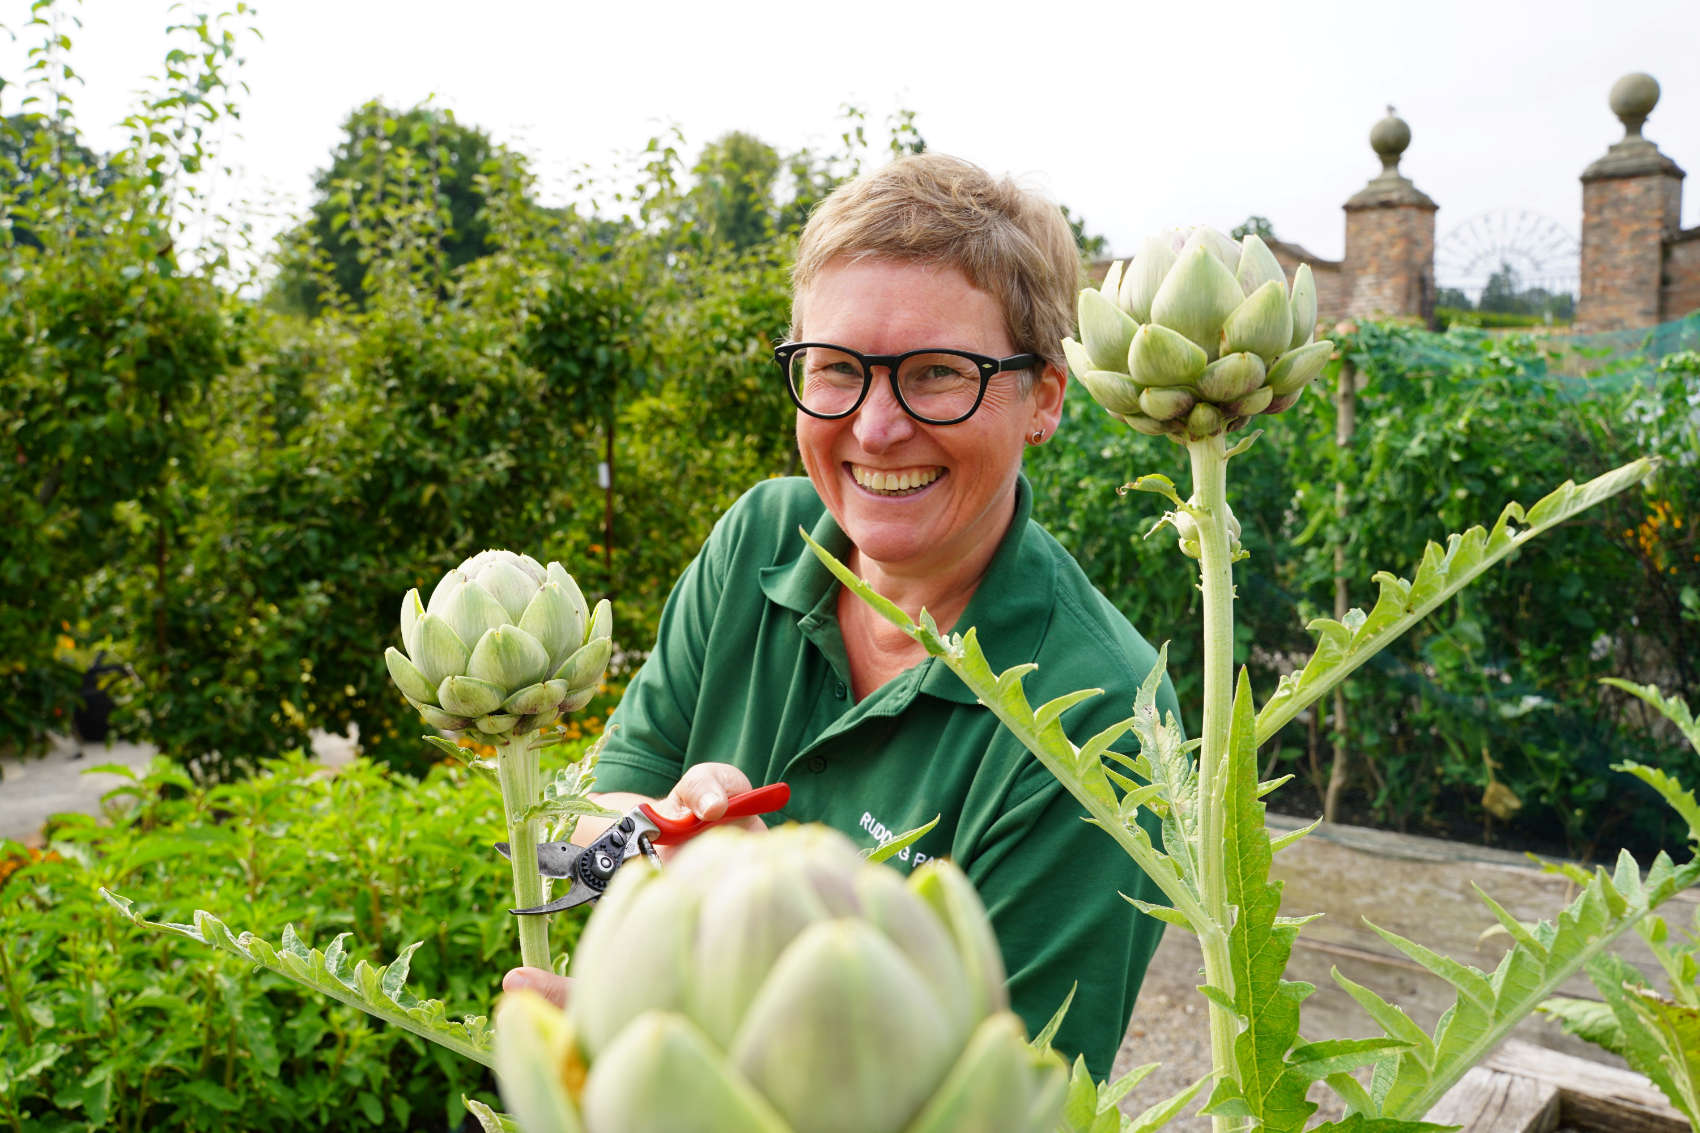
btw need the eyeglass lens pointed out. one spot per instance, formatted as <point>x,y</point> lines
<point>938,387</point>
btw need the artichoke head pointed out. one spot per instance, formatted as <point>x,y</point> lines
<point>777,982</point>
<point>1197,335</point>
<point>505,646</point>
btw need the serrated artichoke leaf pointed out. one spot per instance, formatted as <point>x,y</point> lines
<point>377,991</point>
<point>1403,604</point>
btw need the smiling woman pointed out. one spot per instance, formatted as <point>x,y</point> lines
<point>930,301</point>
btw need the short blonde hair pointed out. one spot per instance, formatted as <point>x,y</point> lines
<point>1010,242</point>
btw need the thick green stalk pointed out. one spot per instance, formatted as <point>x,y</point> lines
<point>522,788</point>
<point>1210,499</point>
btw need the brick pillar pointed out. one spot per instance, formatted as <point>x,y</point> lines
<point>1631,205</point>
<point>1389,264</point>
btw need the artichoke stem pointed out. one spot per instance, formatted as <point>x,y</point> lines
<point>1210,495</point>
<point>517,767</point>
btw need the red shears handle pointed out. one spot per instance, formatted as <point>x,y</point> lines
<point>759,801</point>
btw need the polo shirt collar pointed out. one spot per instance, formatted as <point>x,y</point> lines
<point>1011,606</point>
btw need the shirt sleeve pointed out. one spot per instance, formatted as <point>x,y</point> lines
<point>650,729</point>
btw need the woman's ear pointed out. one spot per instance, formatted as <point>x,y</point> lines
<point>1048,393</point>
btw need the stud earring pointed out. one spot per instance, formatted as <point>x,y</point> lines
<point>1038,437</point>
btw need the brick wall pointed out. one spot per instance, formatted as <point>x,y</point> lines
<point>1625,222</point>
<point>1330,275</point>
<point>1681,291</point>
<point>1390,261</point>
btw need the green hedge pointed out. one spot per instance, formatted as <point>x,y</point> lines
<point>111,1027</point>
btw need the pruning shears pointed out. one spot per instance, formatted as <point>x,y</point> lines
<point>637,834</point>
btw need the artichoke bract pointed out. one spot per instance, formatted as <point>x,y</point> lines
<point>1198,335</point>
<point>779,983</point>
<point>505,646</point>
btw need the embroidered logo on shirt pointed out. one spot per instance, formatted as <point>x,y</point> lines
<point>881,834</point>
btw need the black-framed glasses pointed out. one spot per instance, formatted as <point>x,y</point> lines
<point>936,387</point>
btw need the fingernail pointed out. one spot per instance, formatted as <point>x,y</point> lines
<point>523,979</point>
<point>710,802</point>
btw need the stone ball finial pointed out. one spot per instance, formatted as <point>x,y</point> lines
<point>1389,138</point>
<point>1632,99</point>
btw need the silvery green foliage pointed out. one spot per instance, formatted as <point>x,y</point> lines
<point>1198,335</point>
<point>780,984</point>
<point>1657,1034</point>
<point>505,646</point>
<point>378,991</point>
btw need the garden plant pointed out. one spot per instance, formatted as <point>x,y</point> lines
<point>1658,1034</point>
<point>1195,340</point>
<point>503,648</point>
<point>1222,341</point>
<point>103,1027</point>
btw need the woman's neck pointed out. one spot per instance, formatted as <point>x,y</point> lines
<point>943,594</point>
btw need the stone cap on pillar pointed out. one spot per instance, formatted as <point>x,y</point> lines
<point>1389,138</point>
<point>1632,100</point>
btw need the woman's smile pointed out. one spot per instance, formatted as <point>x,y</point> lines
<point>894,482</point>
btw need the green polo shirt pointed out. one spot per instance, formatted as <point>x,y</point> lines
<point>750,669</point>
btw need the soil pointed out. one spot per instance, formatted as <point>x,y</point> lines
<point>1169,1028</point>
<point>1422,888</point>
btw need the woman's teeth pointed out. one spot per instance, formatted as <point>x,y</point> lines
<point>906,480</point>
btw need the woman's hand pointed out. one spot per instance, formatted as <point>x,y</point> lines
<point>547,984</point>
<point>703,792</point>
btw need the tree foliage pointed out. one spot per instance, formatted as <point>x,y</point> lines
<point>41,157</point>
<point>1258,226</point>
<point>1504,295</point>
<point>389,161</point>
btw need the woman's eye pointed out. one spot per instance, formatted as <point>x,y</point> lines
<point>838,372</point>
<point>942,372</point>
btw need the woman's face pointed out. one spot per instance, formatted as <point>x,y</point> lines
<point>918,499</point>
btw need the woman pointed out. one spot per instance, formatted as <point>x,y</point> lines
<point>930,301</point>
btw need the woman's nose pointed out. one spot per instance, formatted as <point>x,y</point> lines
<point>881,421</point>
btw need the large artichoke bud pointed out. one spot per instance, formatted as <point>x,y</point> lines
<point>1198,335</point>
<point>504,647</point>
<point>779,983</point>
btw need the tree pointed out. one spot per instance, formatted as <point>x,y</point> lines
<point>1453,298</point>
<point>732,203</point>
<point>746,194</point>
<point>1093,246</point>
<point>38,159</point>
<point>1503,293</point>
<point>397,161</point>
<point>1258,226</point>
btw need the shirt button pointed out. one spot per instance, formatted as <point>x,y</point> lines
<point>839,690</point>
<point>817,764</point>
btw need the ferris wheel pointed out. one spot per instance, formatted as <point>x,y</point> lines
<point>1542,252</point>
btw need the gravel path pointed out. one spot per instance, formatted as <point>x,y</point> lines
<point>62,781</point>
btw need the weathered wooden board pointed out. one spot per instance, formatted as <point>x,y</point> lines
<point>1522,1088</point>
<point>1489,1100</point>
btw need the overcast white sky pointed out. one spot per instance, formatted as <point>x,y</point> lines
<point>1136,115</point>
